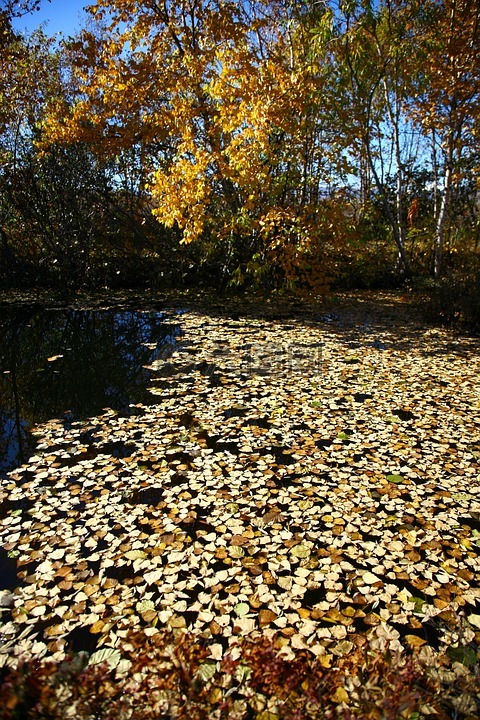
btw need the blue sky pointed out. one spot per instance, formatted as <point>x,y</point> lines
<point>63,16</point>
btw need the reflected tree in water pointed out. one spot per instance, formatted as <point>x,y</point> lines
<point>72,364</point>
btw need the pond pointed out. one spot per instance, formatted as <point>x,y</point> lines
<point>71,364</point>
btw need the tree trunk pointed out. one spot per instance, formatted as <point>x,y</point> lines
<point>439,239</point>
<point>402,264</point>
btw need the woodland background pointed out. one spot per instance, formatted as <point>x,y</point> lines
<point>274,144</point>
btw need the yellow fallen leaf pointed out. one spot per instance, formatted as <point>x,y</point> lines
<point>414,641</point>
<point>325,660</point>
<point>216,695</point>
<point>265,617</point>
<point>97,627</point>
<point>340,695</point>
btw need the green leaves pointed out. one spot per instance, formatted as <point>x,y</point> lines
<point>465,655</point>
<point>242,609</point>
<point>396,479</point>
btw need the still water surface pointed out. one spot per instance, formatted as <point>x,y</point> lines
<point>71,364</point>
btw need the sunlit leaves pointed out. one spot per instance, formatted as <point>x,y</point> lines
<point>105,655</point>
<point>181,676</point>
<point>255,496</point>
<point>227,106</point>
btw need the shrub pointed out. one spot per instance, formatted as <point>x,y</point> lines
<point>455,301</point>
<point>162,677</point>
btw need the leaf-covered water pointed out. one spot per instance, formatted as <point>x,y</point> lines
<point>275,487</point>
<point>70,364</point>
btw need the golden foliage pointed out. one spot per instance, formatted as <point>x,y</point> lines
<point>222,95</point>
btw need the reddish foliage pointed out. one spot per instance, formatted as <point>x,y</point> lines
<point>164,682</point>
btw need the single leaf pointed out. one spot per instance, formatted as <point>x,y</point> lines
<point>415,641</point>
<point>241,609</point>
<point>300,551</point>
<point>305,504</point>
<point>105,655</point>
<point>265,617</point>
<point>236,552</point>
<point>136,555</point>
<point>206,671</point>
<point>144,605</point>
<point>396,479</point>
<point>419,603</point>
<point>370,578</point>
<point>340,695</point>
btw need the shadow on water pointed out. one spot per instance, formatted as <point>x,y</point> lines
<point>72,364</point>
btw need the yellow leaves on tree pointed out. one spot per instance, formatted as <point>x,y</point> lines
<point>182,191</point>
<point>216,95</point>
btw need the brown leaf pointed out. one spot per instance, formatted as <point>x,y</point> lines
<point>265,617</point>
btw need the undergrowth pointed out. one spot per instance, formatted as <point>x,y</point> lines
<point>455,301</point>
<point>161,677</point>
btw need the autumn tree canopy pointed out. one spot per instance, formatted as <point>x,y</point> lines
<point>285,140</point>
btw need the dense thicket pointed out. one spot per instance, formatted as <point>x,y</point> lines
<point>277,143</point>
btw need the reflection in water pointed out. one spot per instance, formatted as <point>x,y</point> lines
<point>71,364</point>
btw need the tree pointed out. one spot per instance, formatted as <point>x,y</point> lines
<point>9,10</point>
<point>67,215</point>
<point>30,70</point>
<point>371,56</point>
<point>238,127</point>
<point>220,96</point>
<point>447,100</point>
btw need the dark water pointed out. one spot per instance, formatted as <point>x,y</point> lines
<point>71,364</point>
